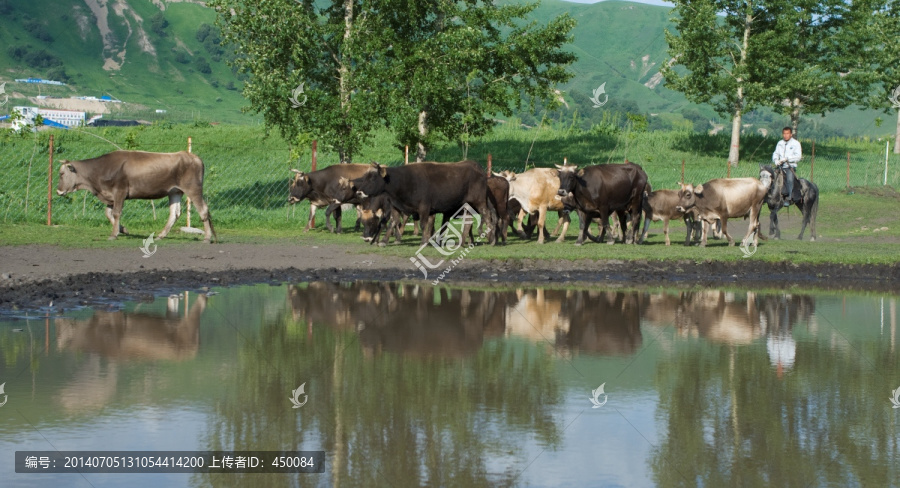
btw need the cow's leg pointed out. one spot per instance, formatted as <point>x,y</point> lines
<point>773,223</point>
<point>174,212</point>
<point>115,214</point>
<point>564,219</point>
<point>648,217</point>
<point>338,213</point>
<point>689,230</point>
<point>607,228</point>
<point>542,221</point>
<point>426,223</point>
<point>725,231</point>
<point>112,221</point>
<point>627,234</point>
<point>205,217</point>
<point>312,216</point>
<point>666,230</point>
<point>583,223</point>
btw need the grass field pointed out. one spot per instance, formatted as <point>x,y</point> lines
<point>247,180</point>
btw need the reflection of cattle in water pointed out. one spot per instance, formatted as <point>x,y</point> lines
<point>405,319</point>
<point>135,335</point>
<point>729,317</point>
<point>603,322</point>
<point>537,315</point>
<point>715,315</point>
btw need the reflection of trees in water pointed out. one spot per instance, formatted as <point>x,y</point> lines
<point>392,404</point>
<point>729,419</point>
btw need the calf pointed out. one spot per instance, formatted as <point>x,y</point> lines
<point>725,198</point>
<point>499,194</point>
<point>323,189</point>
<point>662,205</point>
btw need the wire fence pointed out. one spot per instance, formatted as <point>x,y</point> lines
<point>249,186</point>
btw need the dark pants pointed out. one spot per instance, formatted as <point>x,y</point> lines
<point>788,191</point>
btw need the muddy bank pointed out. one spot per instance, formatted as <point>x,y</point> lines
<point>72,278</point>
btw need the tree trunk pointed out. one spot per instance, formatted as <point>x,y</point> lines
<point>344,80</point>
<point>795,115</point>
<point>734,153</point>
<point>423,132</point>
<point>897,135</point>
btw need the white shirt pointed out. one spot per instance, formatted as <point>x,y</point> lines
<point>789,150</point>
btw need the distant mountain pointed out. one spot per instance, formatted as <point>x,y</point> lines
<point>165,55</point>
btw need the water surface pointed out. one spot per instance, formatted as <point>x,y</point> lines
<point>412,385</point>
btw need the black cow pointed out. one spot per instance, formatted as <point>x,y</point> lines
<point>430,188</point>
<point>323,189</point>
<point>597,191</point>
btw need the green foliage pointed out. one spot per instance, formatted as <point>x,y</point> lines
<point>363,62</point>
<point>158,24</point>
<point>202,65</point>
<point>38,30</point>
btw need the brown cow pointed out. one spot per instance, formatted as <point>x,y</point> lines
<point>725,198</point>
<point>139,175</point>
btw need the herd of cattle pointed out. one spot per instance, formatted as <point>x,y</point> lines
<point>386,197</point>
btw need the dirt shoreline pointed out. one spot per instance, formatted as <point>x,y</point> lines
<point>31,277</point>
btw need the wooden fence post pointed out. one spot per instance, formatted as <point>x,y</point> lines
<point>312,215</point>
<point>728,171</point>
<point>682,171</point>
<point>406,154</point>
<point>50,181</point>
<point>489,165</point>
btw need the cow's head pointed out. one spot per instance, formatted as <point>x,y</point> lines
<point>68,179</point>
<point>300,187</point>
<point>373,217</point>
<point>345,190</point>
<point>371,183</point>
<point>507,175</point>
<point>771,178</point>
<point>687,197</point>
<point>568,175</point>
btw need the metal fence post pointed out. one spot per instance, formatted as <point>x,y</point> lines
<point>50,181</point>
<point>682,171</point>
<point>887,146</point>
<point>848,169</point>
<point>188,199</point>
<point>812,162</point>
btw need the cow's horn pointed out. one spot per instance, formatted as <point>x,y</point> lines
<point>297,171</point>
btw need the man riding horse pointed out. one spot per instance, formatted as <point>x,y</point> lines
<point>786,156</point>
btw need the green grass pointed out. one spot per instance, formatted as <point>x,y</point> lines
<point>840,225</point>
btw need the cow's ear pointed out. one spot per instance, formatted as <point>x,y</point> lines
<point>70,167</point>
<point>698,189</point>
<point>379,213</point>
<point>581,172</point>
<point>382,170</point>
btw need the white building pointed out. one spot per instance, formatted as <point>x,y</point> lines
<point>52,117</point>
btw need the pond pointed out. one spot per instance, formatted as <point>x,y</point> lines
<point>410,385</point>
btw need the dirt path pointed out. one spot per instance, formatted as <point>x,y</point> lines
<point>31,277</point>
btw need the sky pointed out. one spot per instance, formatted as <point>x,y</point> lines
<point>649,2</point>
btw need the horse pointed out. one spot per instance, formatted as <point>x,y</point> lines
<point>808,202</point>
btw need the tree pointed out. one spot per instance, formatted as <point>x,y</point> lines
<point>716,53</point>
<point>451,67</point>
<point>881,59</point>
<point>338,69</point>
<point>810,50</point>
<point>158,24</point>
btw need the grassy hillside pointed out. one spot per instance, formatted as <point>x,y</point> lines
<point>154,59</point>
